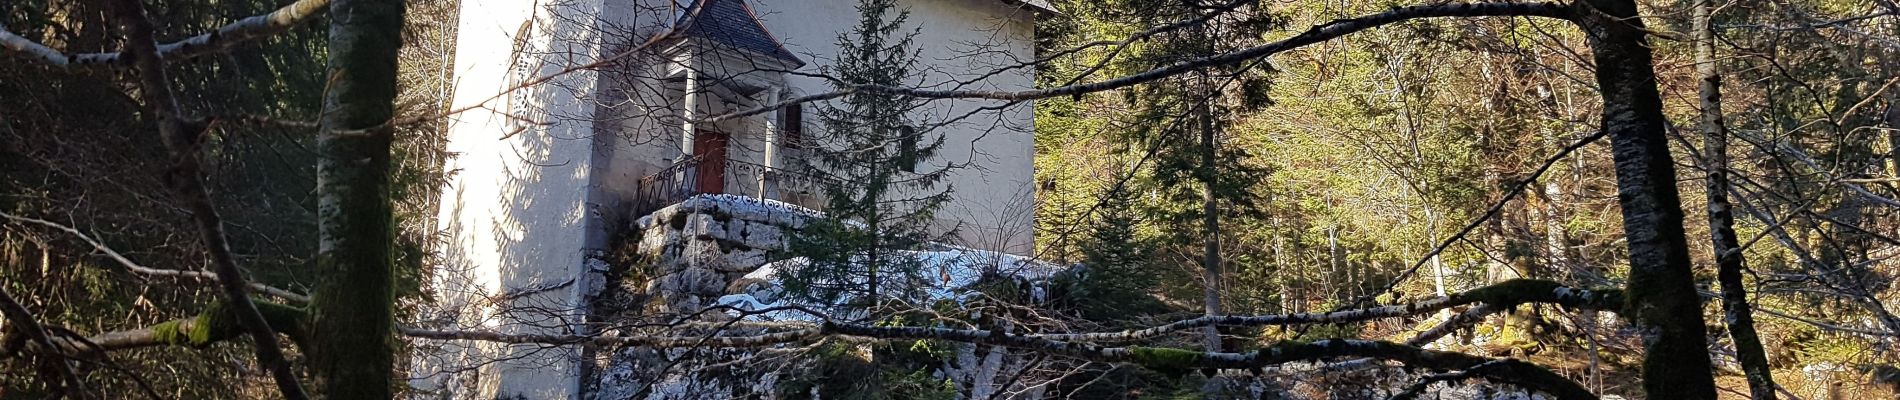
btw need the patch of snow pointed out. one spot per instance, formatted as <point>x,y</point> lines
<point>747,206</point>
<point>960,268</point>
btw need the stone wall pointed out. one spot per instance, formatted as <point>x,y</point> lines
<point>700,248</point>
<point>690,255</point>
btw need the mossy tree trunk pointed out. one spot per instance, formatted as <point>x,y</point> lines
<point>352,342</point>
<point>1661,294</point>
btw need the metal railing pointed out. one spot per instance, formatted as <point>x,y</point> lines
<point>679,181</point>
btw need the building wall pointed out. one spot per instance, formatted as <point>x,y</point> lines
<point>959,40</point>
<point>528,204</point>
<point>517,212</point>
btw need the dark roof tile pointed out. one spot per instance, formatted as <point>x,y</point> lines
<point>732,23</point>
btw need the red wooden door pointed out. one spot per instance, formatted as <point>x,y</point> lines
<point>709,147</point>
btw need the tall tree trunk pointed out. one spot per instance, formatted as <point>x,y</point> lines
<point>1728,252</point>
<point>353,307</point>
<point>1892,115</point>
<point>1210,208</point>
<point>1661,293</point>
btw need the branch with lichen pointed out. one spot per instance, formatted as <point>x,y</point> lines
<point>214,324</point>
<point>1498,296</point>
<point>240,31</point>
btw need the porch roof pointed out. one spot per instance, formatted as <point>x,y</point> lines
<point>732,23</point>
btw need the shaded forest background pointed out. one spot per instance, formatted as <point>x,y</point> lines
<point>1344,167</point>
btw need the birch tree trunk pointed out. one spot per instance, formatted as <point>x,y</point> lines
<point>1661,293</point>
<point>353,307</point>
<point>1728,252</point>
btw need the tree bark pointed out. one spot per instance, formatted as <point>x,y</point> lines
<point>353,308</point>
<point>1210,207</point>
<point>1661,294</point>
<point>1728,251</point>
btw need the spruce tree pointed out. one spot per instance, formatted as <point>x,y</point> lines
<point>1118,269</point>
<point>882,199</point>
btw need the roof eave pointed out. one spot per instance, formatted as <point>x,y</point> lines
<point>1041,7</point>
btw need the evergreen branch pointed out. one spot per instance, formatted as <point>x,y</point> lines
<point>1151,32</point>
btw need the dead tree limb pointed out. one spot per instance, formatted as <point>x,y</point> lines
<point>1162,359</point>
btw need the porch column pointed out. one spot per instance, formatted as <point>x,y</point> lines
<point>768,188</point>
<point>689,109</point>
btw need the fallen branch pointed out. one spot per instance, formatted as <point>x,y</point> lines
<point>1418,389</point>
<point>760,340</point>
<point>1457,321</point>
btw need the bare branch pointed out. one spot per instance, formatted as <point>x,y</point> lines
<point>1501,295</point>
<point>1418,389</point>
<point>1496,208</point>
<point>136,268</point>
<point>1316,34</point>
<point>23,321</point>
<point>187,177</point>
<point>243,30</point>
<point>760,340</point>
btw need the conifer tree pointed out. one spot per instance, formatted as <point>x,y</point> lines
<point>1119,271</point>
<point>883,195</point>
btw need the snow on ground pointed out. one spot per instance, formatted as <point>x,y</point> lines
<point>961,266</point>
<point>750,208</point>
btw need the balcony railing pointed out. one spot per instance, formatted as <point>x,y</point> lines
<point>679,181</point>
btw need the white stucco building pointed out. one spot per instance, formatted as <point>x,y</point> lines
<point>582,114</point>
